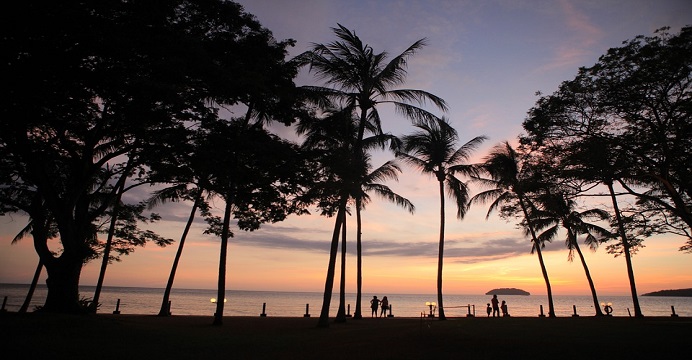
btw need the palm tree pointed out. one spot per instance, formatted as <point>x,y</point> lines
<point>559,211</point>
<point>508,185</point>
<point>371,183</point>
<point>360,80</point>
<point>176,193</point>
<point>333,137</point>
<point>432,151</point>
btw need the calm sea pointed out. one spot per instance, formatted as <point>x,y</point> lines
<point>147,301</point>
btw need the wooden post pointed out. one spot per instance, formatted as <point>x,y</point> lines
<point>264,307</point>
<point>307,310</point>
<point>468,314</point>
<point>390,311</point>
<point>4,302</point>
<point>574,307</point>
<point>117,308</point>
<point>541,314</point>
<point>672,308</point>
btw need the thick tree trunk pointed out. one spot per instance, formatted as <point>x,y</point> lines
<point>626,249</point>
<point>63,285</point>
<point>440,253</point>
<point>165,309</point>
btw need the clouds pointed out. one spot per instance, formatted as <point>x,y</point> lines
<point>459,250</point>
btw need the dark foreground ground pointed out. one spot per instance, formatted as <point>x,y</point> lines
<point>128,337</point>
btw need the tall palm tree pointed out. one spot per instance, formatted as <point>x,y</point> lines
<point>558,211</point>
<point>508,185</point>
<point>360,79</point>
<point>333,136</point>
<point>432,150</point>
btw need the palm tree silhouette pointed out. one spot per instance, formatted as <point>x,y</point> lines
<point>361,79</point>
<point>432,151</point>
<point>558,211</point>
<point>334,137</point>
<point>508,184</point>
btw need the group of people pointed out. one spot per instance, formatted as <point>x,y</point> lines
<point>496,307</point>
<point>382,304</point>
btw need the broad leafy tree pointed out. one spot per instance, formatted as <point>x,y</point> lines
<point>85,96</point>
<point>636,101</point>
<point>625,123</point>
<point>432,150</point>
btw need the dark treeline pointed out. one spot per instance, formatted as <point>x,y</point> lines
<point>105,98</point>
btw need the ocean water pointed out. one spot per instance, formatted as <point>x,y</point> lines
<point>147,301</point>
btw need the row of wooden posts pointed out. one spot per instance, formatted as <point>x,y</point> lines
<point>348,314</point>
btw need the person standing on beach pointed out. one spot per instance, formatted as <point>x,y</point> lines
<point>496,305</point>
<point>385,306</point>
<point>503,307</point>
<point>488,309</point>
<point>374,304</point>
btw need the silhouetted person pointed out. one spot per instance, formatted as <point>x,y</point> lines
<point>384,305</point>
<point>496,306</point>
<point>489,310</point>
<point>503,307</point>
<point>374,304</point>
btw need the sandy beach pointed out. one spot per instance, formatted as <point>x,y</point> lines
<point>41,336</point>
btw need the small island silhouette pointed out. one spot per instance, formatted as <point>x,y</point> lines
<point>507,291</point>
<point>675,292</point>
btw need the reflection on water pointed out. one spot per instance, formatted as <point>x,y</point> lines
<point>293,304</point>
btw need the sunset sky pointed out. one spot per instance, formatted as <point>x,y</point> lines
<point>487,59</point>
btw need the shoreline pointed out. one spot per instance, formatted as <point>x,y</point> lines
<point>109,336</point>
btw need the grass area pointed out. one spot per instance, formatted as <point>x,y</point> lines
<point>127,337</point>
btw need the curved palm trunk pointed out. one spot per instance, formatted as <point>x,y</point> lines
<point>329,281</point>
<point>221,293</point>
<point>32,288</point>
<point>358,314</point>
<point>341,312</point>
<point>628,257</point>
<point>544,271</point>
<point>440,253</point>
<point>165,307</point>
<point>107,250</point>
<point>596,306</point>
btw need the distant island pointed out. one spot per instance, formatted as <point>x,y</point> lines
<point>507,291</point>
<point>676,292</point>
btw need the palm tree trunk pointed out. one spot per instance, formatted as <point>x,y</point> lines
<point>358,314</point>
<point>440,253</point>
<point>626,247</point>
<point>221,293</point>
<point>329,281</point>
<point>341,312</point>
<point>107,250</point>
<point>165,308</point>
<point>544,271</point>
<point>32,288</point>
<point>596,305</point>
